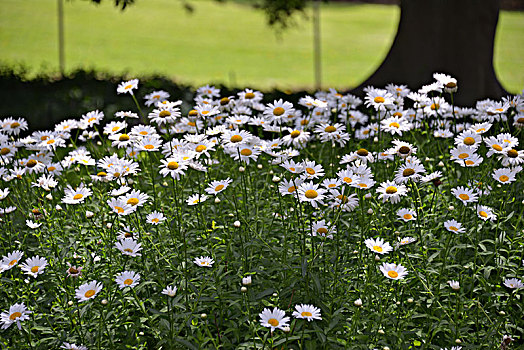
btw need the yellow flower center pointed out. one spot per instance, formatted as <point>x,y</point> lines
<point>193,113</point>
<point>15,315</point>
<point>31,163</point>
<point>246,152</point>
<point>306,314</point>
<point>304,122</point>
<point>15,125</point>
<point>513,153</point>
<point>391,190</point>
<point>322,230</point>
<point>12,262</point>
<point>236,138</point>
<point>224,101</point>
<point>332,185</point>
<point>90,293</point>
<point>172,165</point>
<point>200,148</point>
<point>311,194</point>
<point>394,125</point>
<point>451,85</point>
<point>392,274</point>
<point>503,178</point>
<point>291,189</point>
<point>362,185</point>
<point>379,99</point>
<point>149,147</point>
<point>249,95</point>
<point>330,128</point>
<point>310,171</point>
<point>463,155</point>
<point>219,187</point>
<point>5,151</point>
<point>520,120</point>
<point>51,168</point>
<point>496,147</point>
<point>469,162</point>
<point>363,152</point>
<point>404,150</point>
<point>157,220</point>
<point>120,210</point>
<point>123,137</point>
<point>343,199</point>
<point>469,141</point>
<point>204,112</point>
<point>347,180</point>
<point>453,228</point>
<point>128,282</point>
<point>408,216</point>
<point>50,142</point>
<point>127,87</point>
<point>435,106</point>
<point>408,172</point>
<point>91,119</point>
<point>279,111</point>
<point>132,201</point>
<point>295,134</point>
<point>464,196</point>
<point>164,114</point>
<point>377,248</point>
<point>78,196</point>
<point>483,214</point>
<point>273,321</point>
<point>34,269</point>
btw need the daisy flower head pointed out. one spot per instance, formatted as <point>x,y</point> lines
<point>170,291</point>
<point>245,153</point>
<point>297,138</point>
<point>468,138</point>
<point>408,172</point>
<point>286,187</point>
<point>311,193</point>
<point>379,99</point>
<point>273,319</point>
<point>173,167</point>
<point>378,245</point>
<point>124,114</point>
<point>127,279</point>
<point>155,218</point>
<point>164,115</point>
<point>405,240</point>
<point>149,144</point>
<point>34,266</point>
<point>74,271</point>
<point>455,285</point>
<point>454,226</point>
<point>88,290</point>
<point>402,149</point>
<point>390,190</point>
<point>449,83</point>
<point>292,166</point>
<point>512,157</point>
<point>118,206</point>
<point>196,198</point>
<point>322,229</point>
<point>465,195</point>
<point>513,283</point>
<point>75,196</point>
<point>278,110</point>
<point>16,314</point>
<point>393,271</point>
<point>73,346</point>
<point>308,312</point>
<point>10,260</point>
<point>135,198</point>
<point>14,126</point>
<point>406,215</point>
<point>312,170</point>
<point>486,213</point>
<point>504,176</point>
<point>155,97</point>
<point>32,224</point>
<point>127,86</point>
<point>396,125</point>
<point>128,246</point>
<point>204,261</point>
<point>215,187</point>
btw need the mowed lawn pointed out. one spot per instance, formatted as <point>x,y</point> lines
<point>220,43</point>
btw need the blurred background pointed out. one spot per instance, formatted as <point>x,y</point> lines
<point>227,43</point>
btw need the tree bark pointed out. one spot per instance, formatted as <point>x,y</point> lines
<point>455,37</point>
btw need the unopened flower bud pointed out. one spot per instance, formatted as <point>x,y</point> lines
<point>259,166</point>
<point>243,289</point>
<point>381,331</point>
<point>458,341</point>
<point>104,301</point>
<point>89,214</point>
<point>370,211</point>
<point>286,329</point>
<point>49,197</point>
<point>70,303</point>
<point>236,223</point>
<point>367,196</point>
<point>217,200</point>
<point>109,225</point>
<point>203,316</point>
<point>358,302</point>
<point>377,258</point>
<point>241,169</point>
<point>410,300</point>
<point>276,179</point>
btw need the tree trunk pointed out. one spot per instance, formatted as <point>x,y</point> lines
<point>455,37</point>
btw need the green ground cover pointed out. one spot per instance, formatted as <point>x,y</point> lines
<point>222,43</point>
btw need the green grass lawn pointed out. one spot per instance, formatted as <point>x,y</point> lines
<point>220,43</point>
